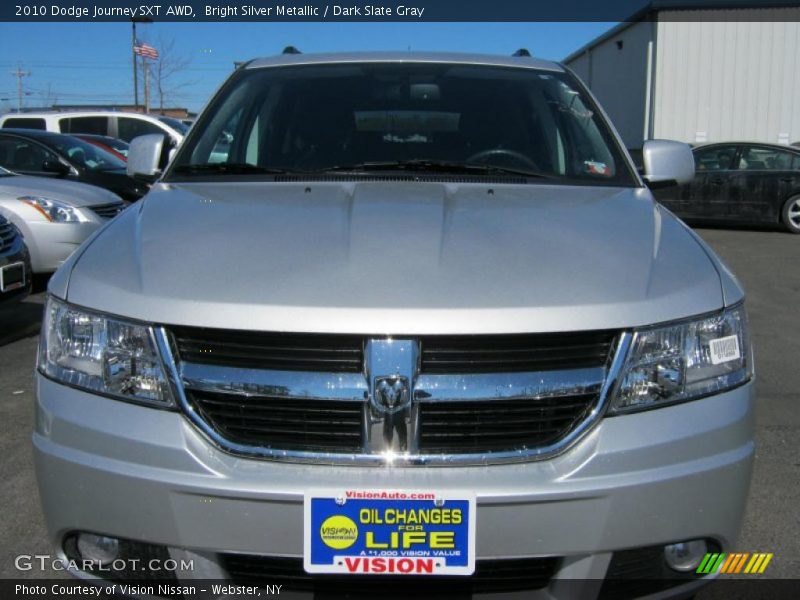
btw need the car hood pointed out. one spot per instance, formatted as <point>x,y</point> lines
<point>396,258</point>
<point>70,192</point>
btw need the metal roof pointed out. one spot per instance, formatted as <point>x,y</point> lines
<point>649,11</point>
<point>407,57</point>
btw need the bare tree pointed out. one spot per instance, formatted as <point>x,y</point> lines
<point>169,72</point>
<point>49,96</point>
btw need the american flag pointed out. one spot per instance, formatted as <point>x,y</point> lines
<point>143,49</point>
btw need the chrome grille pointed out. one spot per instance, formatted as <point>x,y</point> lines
<point>8,234</point>
<point>317,397</point>
<point>108,211</point>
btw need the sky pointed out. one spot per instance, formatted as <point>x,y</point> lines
<point>85,63</point>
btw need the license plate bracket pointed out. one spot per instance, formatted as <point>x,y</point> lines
<point>12,277</point>
<point>388,532</point>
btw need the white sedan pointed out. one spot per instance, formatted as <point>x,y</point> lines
<point>54,216</point>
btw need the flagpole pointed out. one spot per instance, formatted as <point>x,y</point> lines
<point>135,71</point>
<point>134,21</point>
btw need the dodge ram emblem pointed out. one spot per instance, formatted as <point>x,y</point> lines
<point>392,393</point>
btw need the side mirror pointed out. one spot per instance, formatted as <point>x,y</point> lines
<point>667,163</point>
<point>145,156</point>
<point>55,166</point>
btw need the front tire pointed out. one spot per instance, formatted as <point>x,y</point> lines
<point>790,214</point>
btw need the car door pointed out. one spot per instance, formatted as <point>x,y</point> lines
<point>27,157</point>
<point>709,195</point>
<point>764,180</point>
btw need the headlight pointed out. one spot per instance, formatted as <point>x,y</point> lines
<point>684,361</point>
<point>102,354</point>
<point>54,210</point>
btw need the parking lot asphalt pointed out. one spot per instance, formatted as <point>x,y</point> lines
<point>767,263</point>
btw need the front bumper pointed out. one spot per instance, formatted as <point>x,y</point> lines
<point>50,244</point>
<point>656,477</point>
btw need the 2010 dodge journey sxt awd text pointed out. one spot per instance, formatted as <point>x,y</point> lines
<point>385,316</point>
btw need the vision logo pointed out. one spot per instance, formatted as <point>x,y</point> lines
<point>338,532</point>
<point>736,562</point>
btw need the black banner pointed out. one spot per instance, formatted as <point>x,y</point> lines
<point>744,588</point>
<point>381,10</point>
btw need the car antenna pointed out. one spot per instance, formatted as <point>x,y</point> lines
<point>522,52</point>
<point>291,50</point>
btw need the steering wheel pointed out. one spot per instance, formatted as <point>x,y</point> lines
<point>518,157</point>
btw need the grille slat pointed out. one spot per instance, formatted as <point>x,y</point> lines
<point>8,234</point>
<point>292,424</point>
<point>503,575</point>
<point>278,351</point>
<point>481,426</point>
<point>515,352</point>
<point>108,211</point>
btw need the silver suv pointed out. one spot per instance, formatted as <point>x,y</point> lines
<point>404,320</point>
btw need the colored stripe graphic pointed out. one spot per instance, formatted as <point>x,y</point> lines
<point>711,563</point>
<point>734,563</point>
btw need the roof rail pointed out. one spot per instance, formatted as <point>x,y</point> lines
<point>522,52</point>
<point>291,50</point>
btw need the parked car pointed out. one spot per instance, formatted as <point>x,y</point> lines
<point>59,156</point>
<point>119,125</point>
<point>15,267</point>
<point>116,147</point>
<point>424,318</point>
<point>740,182</point>
<point>54,216</point>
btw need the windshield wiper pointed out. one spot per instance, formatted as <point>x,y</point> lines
<point>433,166</point>
<point>228,169</point>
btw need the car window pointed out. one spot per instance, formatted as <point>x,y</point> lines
<point>95,125</point>
<point>333,116</point>
<point>716,158</point>
<point>85,155</point>
<point>129,128</point>
<point>177,125</point>
<point>22,123</point>
<point>766,159</point>
<point>22,155</point>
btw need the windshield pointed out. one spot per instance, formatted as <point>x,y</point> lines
<point>375,116</point>
<point>5,172</point>
<point>85,155</point>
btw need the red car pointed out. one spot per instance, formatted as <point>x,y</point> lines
<point>116,147</point>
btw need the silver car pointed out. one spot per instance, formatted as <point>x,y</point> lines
<point>424,318</point>
<point>54,216</point>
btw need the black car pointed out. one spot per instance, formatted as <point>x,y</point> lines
<point>15,266</point>
<point>47,154</point>
<point>749,183</point>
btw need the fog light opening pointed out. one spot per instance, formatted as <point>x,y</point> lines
<point>685,557</point>
<point>99,548</point>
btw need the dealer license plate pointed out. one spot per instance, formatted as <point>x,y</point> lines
<point>381,532</point>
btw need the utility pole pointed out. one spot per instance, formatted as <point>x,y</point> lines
<point>19,74</point>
